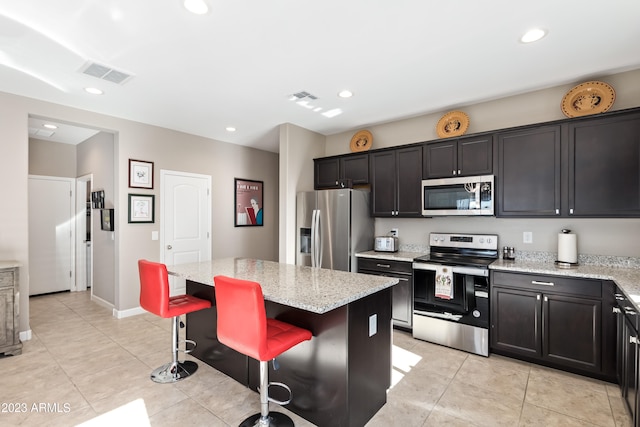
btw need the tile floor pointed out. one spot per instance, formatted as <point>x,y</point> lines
<point>84,366</point>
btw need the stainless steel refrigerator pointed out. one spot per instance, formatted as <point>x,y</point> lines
<point>332,226</point>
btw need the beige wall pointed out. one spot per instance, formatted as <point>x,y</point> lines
<point>595,236</point>
<point>96,157</point>
<point>298,148</point>
<point>52,158</point>
<point>168,150</point>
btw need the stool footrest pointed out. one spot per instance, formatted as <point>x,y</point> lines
<point>280,402</point>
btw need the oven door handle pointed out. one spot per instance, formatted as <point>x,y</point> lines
<point>471,271</point>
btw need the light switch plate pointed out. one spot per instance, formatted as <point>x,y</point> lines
<point>154,235</point>
<point>527,237</point>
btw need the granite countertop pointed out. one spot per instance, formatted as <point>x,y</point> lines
<point>391,256</point>
<point>627,278</point>
<point>312,289</point>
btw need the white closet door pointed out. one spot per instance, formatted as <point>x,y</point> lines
<point>51,234</point>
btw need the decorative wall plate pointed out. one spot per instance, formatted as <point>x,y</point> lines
<point>454,123</point>
<point>588,98</point>
<point>361,141</point>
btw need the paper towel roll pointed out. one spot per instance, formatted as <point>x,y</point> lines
<point>567,247</point>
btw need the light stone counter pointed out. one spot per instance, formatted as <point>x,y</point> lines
<point>317,290</point>
<point>627,279</point>
<point>391,256</point>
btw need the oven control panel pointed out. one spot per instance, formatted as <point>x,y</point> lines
<point>472,241</point>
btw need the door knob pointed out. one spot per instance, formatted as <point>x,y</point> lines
<point>169,247</point>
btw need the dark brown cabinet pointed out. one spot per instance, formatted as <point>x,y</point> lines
<point>396,179</point>
<point>340,171</point>
<point>528,176</point>
<point>402,293</point>
<point>458,157</point>
<point>553,320</point>
<point>604,167</point>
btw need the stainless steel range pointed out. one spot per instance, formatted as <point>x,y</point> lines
<point>451,291</point>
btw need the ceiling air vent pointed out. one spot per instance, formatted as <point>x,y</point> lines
<point>104,72</point>
<point>303,94</point>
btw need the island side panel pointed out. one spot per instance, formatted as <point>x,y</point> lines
<point>370,346</point>
<point>202,328</point>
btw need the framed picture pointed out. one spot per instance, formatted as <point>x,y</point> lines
<point>249,197</point>
<point>140,174</point>
<point>141,208</point>
<point>97,199</point>
<point>107,219</point>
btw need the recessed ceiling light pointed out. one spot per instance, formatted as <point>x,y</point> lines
<point>50,126</point>
<point>230,129</point>
<point>345,94</point>
<point>93,90</point>
<point>199,7</point>
<point>533,35</point>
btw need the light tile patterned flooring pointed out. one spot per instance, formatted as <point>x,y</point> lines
<point>83,365</point>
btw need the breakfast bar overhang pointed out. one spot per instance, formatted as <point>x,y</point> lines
<point>338,378</point>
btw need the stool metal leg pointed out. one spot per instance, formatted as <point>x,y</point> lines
<point>266,418</point>
<point>174,371</point>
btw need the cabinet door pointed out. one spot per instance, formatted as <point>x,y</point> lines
<point>383,183</point>
<point>6,316</point>
<point>630,368</point>
<point>572,331</point>
<point>440,159</point>
<point>326,173</point>
<point>409,181</point>
<point>529,172</point>
<point>516,321</point>
<point>355,168</point>
<point>604,167</point>
<point>475,156</point>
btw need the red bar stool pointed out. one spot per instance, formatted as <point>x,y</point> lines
<point>243,325</point>
<point>154,297</point>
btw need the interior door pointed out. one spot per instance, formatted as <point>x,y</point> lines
<point>186,221</point>
<point>51,234</point>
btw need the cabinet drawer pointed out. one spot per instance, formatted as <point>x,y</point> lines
<point>549,284</point>
<point>383,265</point>
<point>6,279</point>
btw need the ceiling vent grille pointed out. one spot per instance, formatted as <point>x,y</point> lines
<point>104,72</point>
<point>304,94</point>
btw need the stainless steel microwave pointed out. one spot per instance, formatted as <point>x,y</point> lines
<point>468,195</point>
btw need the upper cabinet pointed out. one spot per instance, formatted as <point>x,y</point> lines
<point>528,175</point>
<point>341,171</point>
<point>458,157</point>
<point>396,179</point>
<point>604,167</point>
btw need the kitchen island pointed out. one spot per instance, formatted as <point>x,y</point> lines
<point>339,377</point>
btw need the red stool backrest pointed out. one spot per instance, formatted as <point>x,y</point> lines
<point>154,287</point>
<point>242,319</point>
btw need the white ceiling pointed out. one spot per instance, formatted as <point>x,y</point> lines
<point>237,65</point>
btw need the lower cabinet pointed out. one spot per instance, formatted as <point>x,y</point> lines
<point>402,293</point>
<point>9,299</point>
<point>555,321</point>
<point>627,361</point>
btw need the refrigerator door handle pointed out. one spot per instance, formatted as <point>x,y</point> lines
<point>313,238</point>
<point>319,239</point>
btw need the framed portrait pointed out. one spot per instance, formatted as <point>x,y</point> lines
<point>140,174</point>
<point>141,208</point>
<point>97,199</point>
<point>106,219</point>
<point>248,200</point>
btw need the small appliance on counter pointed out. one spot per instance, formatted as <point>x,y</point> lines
<point>567,249</point>
<point>386,244</point>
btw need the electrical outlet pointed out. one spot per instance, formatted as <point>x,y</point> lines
<point>527,237</point>
<point>394,232</point>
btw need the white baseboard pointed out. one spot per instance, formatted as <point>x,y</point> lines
<point>25,335</point>
<point>120,314</point>
<point>101,302</point>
